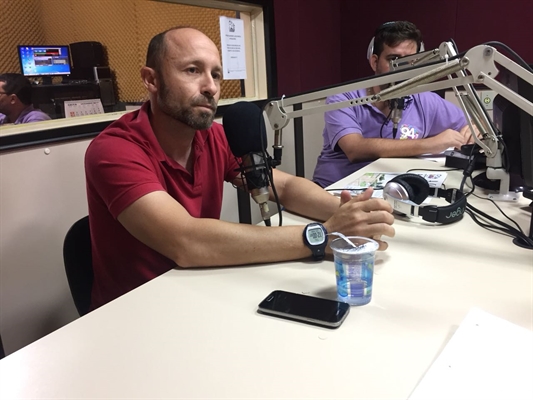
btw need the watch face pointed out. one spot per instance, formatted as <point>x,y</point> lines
<point>315,235</point>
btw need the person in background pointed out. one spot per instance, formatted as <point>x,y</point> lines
<point>355,136</point>
<point>155,180</point>
<point>15,101</point>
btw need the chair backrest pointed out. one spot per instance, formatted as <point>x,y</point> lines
<point>2,352</point>
<point>78,261</point>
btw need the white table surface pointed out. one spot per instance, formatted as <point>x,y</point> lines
<point>196,333</point>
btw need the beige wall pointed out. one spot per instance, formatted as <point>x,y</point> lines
<point>124,27</point>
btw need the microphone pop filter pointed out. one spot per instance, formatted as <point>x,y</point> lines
<point>245,128</point>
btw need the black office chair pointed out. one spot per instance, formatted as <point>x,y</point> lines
<point>78,261</point>
<point>2,352</point>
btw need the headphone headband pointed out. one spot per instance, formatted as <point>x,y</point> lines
<point>445,214</point>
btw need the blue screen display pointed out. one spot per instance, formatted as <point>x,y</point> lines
<point>44,60</point>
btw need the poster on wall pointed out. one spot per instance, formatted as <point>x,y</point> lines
<point>232,40</point>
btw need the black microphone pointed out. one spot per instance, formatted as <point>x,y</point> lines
<point>246,133</point>
<point>397,106</point>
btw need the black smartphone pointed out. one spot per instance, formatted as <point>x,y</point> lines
<point>302,308</point>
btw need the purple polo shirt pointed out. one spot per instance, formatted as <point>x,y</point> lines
<point>30,114</point>
<point>427,114</point>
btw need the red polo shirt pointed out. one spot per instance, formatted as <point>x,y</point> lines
<point>125,162</point>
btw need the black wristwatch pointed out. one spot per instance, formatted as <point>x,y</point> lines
<point>316,238</point>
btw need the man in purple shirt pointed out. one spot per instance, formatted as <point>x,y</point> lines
<point>356,136</point>
<point>15,101</point>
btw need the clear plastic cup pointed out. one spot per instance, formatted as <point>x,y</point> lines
<point>354,268</point>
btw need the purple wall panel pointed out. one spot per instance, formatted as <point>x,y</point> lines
<point>324,42</point>
<point>287,25</point>
<point>509,22</point>
<point>468,22</point>
<point>436,20</point>
<point>308,48</point>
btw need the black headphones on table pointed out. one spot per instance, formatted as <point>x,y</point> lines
<point>406,192</point>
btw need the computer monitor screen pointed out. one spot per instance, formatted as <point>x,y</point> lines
<point>44,60</point>
<point>516,127</point>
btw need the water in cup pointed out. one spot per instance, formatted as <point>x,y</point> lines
<point>354,268</point>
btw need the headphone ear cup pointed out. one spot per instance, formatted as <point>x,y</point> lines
<point>404,185</point>
<point>370,49</point>
<point>416,186</point>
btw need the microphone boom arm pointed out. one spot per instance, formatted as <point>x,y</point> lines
<point>419,73</point>
<point>480,61</point>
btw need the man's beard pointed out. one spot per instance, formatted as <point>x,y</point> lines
<point>184,114</point>
<point>379,72</point>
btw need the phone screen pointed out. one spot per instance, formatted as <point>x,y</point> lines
<point>329,313</point>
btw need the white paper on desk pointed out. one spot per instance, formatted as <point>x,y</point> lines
<point>487,358</point>
<point>377,180</point>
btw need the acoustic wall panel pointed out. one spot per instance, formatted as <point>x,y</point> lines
<point>123,27</point>
<point>19,24</point>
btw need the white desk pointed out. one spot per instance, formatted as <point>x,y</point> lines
<point>196,334</point>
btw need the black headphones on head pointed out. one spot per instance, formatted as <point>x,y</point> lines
<point>406,192</point>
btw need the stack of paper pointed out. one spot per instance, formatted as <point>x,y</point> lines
<point>487,358</point>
